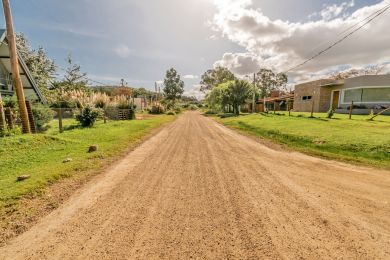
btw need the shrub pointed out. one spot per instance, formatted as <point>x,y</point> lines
<point>330,113</point>
<point>157,109</point>
<point>11,132</point>
<point>10,102</point>
<point>123,102</point>
<point>227,115</point>
<point>42,115</point>
<point>193,107</point>
<point>211,112</point>
<point>100,100</point>
<point>88,116</point>
<point>177,109</point>
<point>171,113</point>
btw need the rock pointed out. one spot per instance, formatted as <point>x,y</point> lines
<point>93,148</point>
<point>23,177</point>
<point>67,160</point>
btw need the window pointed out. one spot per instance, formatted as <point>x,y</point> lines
<point>306,98</point>
<point>376,95</point>
<point>367,95</point>
<point>354,95</point>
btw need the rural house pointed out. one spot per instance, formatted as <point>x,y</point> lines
<point>366,92</point>
<point>31,90</point>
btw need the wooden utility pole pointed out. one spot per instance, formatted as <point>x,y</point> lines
<point>254,94</point>
<point>18,85</point>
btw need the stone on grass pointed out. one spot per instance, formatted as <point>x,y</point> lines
<point>23,177</point>
<point>93,148</point>
<point>67,160</point>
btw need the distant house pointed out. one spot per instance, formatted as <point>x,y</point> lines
<point>31,90</point>
<point>366,92</point>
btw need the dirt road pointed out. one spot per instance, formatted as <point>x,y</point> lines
<point>199,190</point>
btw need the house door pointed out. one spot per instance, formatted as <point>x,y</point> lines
<point>336,99</point>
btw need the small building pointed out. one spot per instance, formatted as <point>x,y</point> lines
<point>30,87</point>
<point>366,92</point>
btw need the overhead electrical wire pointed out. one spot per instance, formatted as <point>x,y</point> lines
<point>357,27</point>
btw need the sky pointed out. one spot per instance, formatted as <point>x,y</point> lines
<point>139,40</point>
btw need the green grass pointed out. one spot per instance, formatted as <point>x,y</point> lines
<point>357,140</point>
<point>42,155</point>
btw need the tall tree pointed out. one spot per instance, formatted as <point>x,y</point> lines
<point>267,80</point>
<point>41,67</point>
<point>74,78</point>
<point>239,91</point>
<point>232,94</point>
<point>218,97</point>
<point>173,85</point>
<point>215,77</point>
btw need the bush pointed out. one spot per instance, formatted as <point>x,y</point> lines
<point>122,102</point>
<point>227,115</point>
<point>193,107</point>
<point>10,102</point>
<point>177,109</point>
<point>11,132</point>
<point>330,113</point>
<point>171,113</point>
<point>42,115</point>
<point>210,112</point>
<point>88,116</point>
<point>157,109</point>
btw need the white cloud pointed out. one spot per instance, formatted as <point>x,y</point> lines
<point>282,44</point>
<point>195,92</point>
<point>123,51</point>
<point>332,11</point>
<point>190,77</point>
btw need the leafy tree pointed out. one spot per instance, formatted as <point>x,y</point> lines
<point>268,81</point>
<point>173,86</point>
<point>215,77</point>
<point>232,93</point>
<point>41,67</point>
<point>218,97</point>
<point>239,91</point>
<point>74,79</point>
<point>142,92</point>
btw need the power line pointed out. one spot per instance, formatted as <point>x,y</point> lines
<point>367,21</point>
<point>349,28</point>
<point>86,78</point>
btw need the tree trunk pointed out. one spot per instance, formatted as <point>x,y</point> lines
<point>236,110</point>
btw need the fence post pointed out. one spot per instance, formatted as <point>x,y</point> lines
<point>9,118</point>
<point>351,110</point>
<point>312,108</point>
<point>31,117</point>
<point>2,115</point>
<point>59,112</point>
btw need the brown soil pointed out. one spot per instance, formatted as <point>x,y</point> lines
<point>200,190</point>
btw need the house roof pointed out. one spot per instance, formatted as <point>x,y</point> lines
<point>30,86</point>
<point>283,97</point>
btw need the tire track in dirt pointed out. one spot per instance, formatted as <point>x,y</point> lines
<point>200,190</point>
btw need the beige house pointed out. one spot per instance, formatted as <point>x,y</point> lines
<point>366,92</point>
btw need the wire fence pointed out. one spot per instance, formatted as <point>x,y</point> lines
<point>41,117</point>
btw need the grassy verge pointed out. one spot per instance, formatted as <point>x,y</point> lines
<point>42,156</point>
<point>357,140</point>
